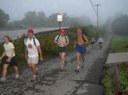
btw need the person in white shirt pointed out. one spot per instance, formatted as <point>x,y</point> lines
<point>33,52</point>
<point>62,41</point>
<point>100,42</point>
<point>8,58</point>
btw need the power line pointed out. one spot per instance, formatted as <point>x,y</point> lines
<point>93,6</point>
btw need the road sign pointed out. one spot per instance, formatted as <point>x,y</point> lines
<point>59,18</point>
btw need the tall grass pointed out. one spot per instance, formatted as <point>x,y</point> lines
<point>119,43</point>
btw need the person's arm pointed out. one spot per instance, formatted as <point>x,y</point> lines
<point>40,53</point>
<point>39,49</point>
<point>86,42</point>
<point>55,39</point>
<point>2,55</point>
<point>75,42</point>
<point>26,53</point>
<point>67,40</point>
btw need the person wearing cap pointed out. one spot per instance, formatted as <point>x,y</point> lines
<point>33,52</point>
<point>62,41</point>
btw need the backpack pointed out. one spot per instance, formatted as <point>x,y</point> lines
<point>59,37</point>
<point>25,40</point>
<point>82,38</point>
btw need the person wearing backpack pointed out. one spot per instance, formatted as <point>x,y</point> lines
<point>80,47</point>
<point>8,58</point>
<point>62,41</point>
<point>33,52</point>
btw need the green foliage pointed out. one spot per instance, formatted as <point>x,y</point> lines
<point>119,43</point>
<point>3,18</point>
<point>108,81</point>
<point>124,76</point>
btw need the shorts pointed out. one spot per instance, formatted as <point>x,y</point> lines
<point>33,60</point>
<point>80,49</point>
<point>92,42</point>
<point>61,49</point>
<point>100,42</point>
<point>13,61</point>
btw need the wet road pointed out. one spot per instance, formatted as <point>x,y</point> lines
<point>17,33</point>
<point>52,81</point>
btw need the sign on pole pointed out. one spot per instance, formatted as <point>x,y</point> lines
<point>59,18</point>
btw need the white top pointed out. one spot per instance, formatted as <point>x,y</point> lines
<point>92,39</point>
<point>100,40</point>
<point>62,40</point>
<point>32,48</point>
<point>9,49</point>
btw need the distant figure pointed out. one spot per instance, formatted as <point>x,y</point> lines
<point>100,42</point>
<point>33,52</point>
<point>93,42</point>
<point>62,41</point>
<point>80,47</point>
<point>8,58</point>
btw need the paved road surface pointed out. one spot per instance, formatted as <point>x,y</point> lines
<point>51,81</point>
<point>15,33</point>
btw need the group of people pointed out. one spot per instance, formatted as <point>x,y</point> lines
<point>99,41</point>
<point>33,52</point>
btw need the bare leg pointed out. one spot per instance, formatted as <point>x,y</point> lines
<point>62,56</point>
<point>16,70</point>
<point>5,67</point>
<point>78,60</point>
<point>33,68</point>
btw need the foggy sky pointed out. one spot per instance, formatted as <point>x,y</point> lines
<point>108,8</point>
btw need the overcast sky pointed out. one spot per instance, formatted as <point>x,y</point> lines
<point>108,8</point>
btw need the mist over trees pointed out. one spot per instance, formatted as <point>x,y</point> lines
<point>117,24</point>
<point>39,19</point>
<point>120,25</point>
<point>4,18</point>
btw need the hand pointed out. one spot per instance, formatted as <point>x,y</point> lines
<point>0,58</point>
<point>74,46</point>
<point>9,59</point>
<point>26,57</point>
<point>41,59</point>
<point>58,44</point>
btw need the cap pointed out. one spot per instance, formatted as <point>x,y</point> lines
<point>62,31</point>
<point>30,30</point>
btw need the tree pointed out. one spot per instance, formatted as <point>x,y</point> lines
<point>120,25</point>
<point>33,18</point>
<point>3,18</point>
<point>52,20</point>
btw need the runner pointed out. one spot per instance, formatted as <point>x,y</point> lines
<point>93,42</point>
<point>62,41</point>
<point>33,52</point>
<point>8,58</point>
<point>100,42</point>
<point>80,47</point>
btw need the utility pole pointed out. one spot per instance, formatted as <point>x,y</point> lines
<point>97,5</point>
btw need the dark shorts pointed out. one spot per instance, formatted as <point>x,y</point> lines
<point>13,61</point>
<point>100,42</point>
<point>61,49</point>
<point>80,49</point>
<point>92,42</point>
